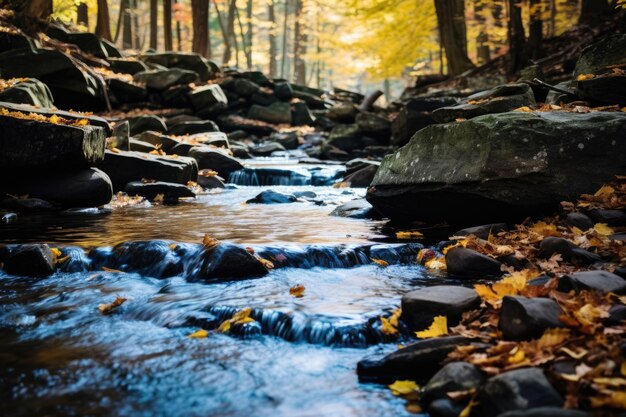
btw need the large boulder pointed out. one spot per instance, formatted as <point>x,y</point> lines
<point>229,262</point>
<point>276,113</point>
<point>124,167</point>
<point>89,43</point>
<point>496,100</point>
<point>27,143</point>
<point>161,80</point>
<point>27,91</point>
<point>150,190</point>
<point>499,167</point>
<point>216,160</point>
<point>610,50</point>
<point>72,86</point>
<point>184,60</point>
<point>83,188</point>
<point>32,260</point>
<point>208,99</point>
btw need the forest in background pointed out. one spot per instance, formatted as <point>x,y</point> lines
<point>361,45</point>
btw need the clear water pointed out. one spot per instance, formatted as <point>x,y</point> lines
<point>60,356</point>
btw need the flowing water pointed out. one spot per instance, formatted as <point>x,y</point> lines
<point>60,356</point>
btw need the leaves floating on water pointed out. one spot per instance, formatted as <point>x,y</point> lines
<point>240,317</point>
<point>380,262</point>
<point>412,234</point>
<point>297,290</point>
<point>403,387</point>
<point>199,334</point>
<point>267,264</point>
<point>389,325</point>
<point>439,327</point>
<point>108,308</point>
<point>209,242</point>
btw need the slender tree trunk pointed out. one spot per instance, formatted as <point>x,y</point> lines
<point>230,33</point>
<point>244,42</point>
<point>103,22</point>
<point>127,27</point>
<point>200,22</point>
<point>154,26</point>
<point>299,42</point>
<point>167,25</point>
<point>517,39</point>
<point>451,19</point>
<point>222,25</point>
<point>592,11</point>
<point>82,14</point>
<point>249,33</point>
<point>135,19</point>
<point>179,45</point>
<point>284,64</point>
<point>120,19</point>
<point>535,32</point>
<point>482,39</point>
<point>271,13</point>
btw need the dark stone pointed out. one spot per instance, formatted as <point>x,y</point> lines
<point>546,412</point>
<point>517,390</point>
<point>29,91</point>
<point>144,123</point>
<point>301,115</point>
<point>125,92</point>
<point>176,97</point>
<point>82,188</point>
<point>504,98</point>
<point>415,115</point>
<point>617,313</point>
<point>373,125</point>
<point>245,88</point>
<point>127,65</point>
<point>609,89</point>
<point>229,123</point>
<point>9,218</point>
<point>579,220</point>
<point>362,178</point>
<point>287,139</point>
<point>602,281</point>
<point>191,128</point>
<point>158,139</point>
<point>467,262</point>
<point>263,98</point>
<point>161,80</point>
<point>11,41</point>
<point>216,160</point>
<point>445,407</point>
<point>229,262</point>
<point>208,99</point>
<point>283,91</point>
<point>312,101</point>
<point>33,144</point>
<point>276,113</point>
<point>483,231</point>
<point>28,205</point>
<point>524,318</point>
<point>209,181</point>
<point>140,146</point>
<point>606,51</point>
<point>613,218</point>
<point>217,139</point>
<point>181,118</point>
<point>183,60</point>
<point>418,361</point>
<point>343,113</point>
<point>124,167</point>
<point>356,209</point>
<point>345,137</point>
<point>513,165</point>
<point>272,197</point>
<point>88,42</point>
<point>72,87</point>
<point>569,251</point>
<point>32,260</point>
<point>421,306</point>
<point>170,191</point>
<point>182,149</point>
<point>454,376</point>
<point>267,149</point>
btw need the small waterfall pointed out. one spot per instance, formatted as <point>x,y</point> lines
<point>269,176</point>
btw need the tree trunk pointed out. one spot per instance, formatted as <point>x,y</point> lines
<point>451,19</point>
<point>535,32</point>
<point>271,13</point>
<point>200,22</point>
<point>120,19</point>
<point>167,25</point>
<point>103,21</point>
<point>135,20</point>
<point>82,14</point>
<point>127,27</point>
<point>222,25</point>
<point>249,34</point>
<point>154,27</point>
<point>38,9</point>
<point>230,33</point>
<point>284,65</point>
<point>482,39</point>
<point>179,46</point>
<point>244,42</point>
<point>592,11</point>
<point>517,39</point>
<point>299,42</point>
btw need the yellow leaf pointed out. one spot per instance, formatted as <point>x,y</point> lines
<point>297,290</point>
<point>589,314</point>
<point>159,199</point>
<point>380,262</point>
<point>224,327</point>
<point>403,387</point>
<point>267,264</point>
<point>468,408</point>
<point>605,191</point>
<point>209,242</point>
<point>439,327</point>
<point>504,250</point>
<point>62,260</point>
<point>115,150</point>
<point>553,337</point>
<point>54,119</point>
<point>82,122</point>
<point>342,184</point>
<point>393,320</point>
<point>603,229</point>
<point>545,229</point>
<point>583,77</point>
<point>387,328</point>
<point>241,315</point>
<point>437,264</point>
<point>199,334</point>
<point>516,357</point>
<point>173,246</point>
<point>622,368</point>
<point>617,399</point>
<point>575,355</point>
<point>412,234</point>
<point>524,109</point>
<point>56,252</point>
<point>108,308</point>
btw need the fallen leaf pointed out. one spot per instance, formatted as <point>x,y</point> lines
<point>380,262</point>
<point>436,264</point>
<point>403,387</point>
<point>439,327</point>
<point>605,191</point>
<point>108,308</point>
<point>297,290</point>
<point>603,229</point>
<point>209,242</point>
<point>615,399</point>
<point>199,334</point>
<point>412,234</point>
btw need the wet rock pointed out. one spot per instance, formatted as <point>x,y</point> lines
<point>89,43</point>
<point>356,209</point>
<point>263,98</point>
<point>421,306</point>
<point>418,361</point>
<point>183,60</point>
<point>276,113</point>
<point>9,218</point>
<point>28,205</point>
<point>454,376</point>
<point>602,281</point>
<point>287,139</point>
<point>147,122</point>
<point>445,407</point>
<point>32,260</point>
<point>140,146</point>
<point>272,197</point>
<point>363,177</point>
<point>229,123</point>
<point>345,137</point>
<point>124,167</point>
<point>517,390</point>
<point>34,144</point>
<point>216,160</point>
<point>546,412</point>
<point>415,115</point>
<point>267,149</point>
<point>607,90</point>
<point>605,52</point>
<point>208,181</point>
<point>217,139</point>
<point>170,191</point>
<point>343,112</point>
<point>208,99</point>
<point>579,220</point>
<point>283,91</point>
<point>153,258</point>
<point>514,165</point>
<point>192,128</point>
<point>125,92</point>
<point>524,318</point>
<point>467,262</point>
<point>161,80</point>
<point>373,125</point>
<point>72,86</point>
<point>228,261</point>
<point>28,91</point>
<point>245,88</point>
<point>483,231</point>
<point>301,115</point>
<point>82,188</point>
<point>127,65</point>
<point>569,251</point>
<point>176,97</point>
<point>160,140</point>
<point>613,218</point>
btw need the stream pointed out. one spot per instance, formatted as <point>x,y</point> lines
<point>59,355</point>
